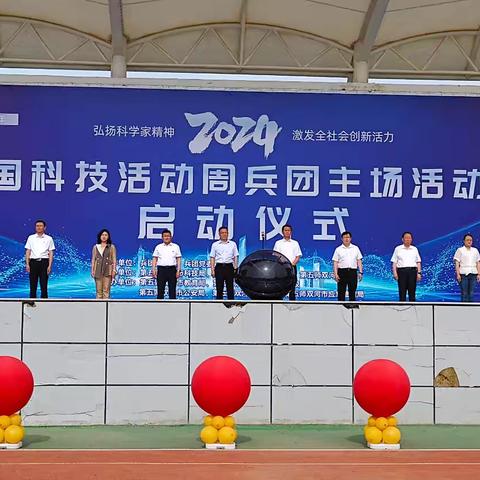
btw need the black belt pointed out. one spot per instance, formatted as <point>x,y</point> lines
<point>406,268</point>
<point>166,266</point>
<point>223,264</point>
<point>348,269</point>
<point>38,259</point>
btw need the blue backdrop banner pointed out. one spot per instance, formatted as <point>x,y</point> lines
<point>136,161</point>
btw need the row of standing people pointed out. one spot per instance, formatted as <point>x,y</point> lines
<point>406,267</point>
<point>166,264</point>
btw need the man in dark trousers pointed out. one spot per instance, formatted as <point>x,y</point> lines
<point>39,258</point>
<point>223,263</point>
<point>290,248</point>
<point>406,268</point>
<point>347,267</point>
<point>166,266</point>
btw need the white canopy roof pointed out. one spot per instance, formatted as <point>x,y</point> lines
<point>382,38</point>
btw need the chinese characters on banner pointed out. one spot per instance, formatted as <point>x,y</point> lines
<point>301,180</point>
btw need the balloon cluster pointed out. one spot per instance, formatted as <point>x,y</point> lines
<point>382,430</point>
<point>381,387</point>
<point>218,430</point>
<point>16,388</point>
<point>220,386</point>
<point>11,429</point>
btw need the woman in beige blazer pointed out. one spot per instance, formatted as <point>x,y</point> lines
<point>104,263</point>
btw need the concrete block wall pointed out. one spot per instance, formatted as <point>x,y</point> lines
<point>131,362</point>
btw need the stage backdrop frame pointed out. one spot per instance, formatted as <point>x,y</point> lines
<point>59,137</point>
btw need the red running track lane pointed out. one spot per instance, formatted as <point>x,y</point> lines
<point>239,464</point>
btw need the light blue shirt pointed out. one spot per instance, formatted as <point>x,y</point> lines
<point>224,252</point>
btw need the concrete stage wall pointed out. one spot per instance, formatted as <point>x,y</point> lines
<point>130,362</point>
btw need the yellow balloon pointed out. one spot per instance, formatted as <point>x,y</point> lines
<point>381,423</point>
<point>2,435</point>
<point>236,435</point>
<point>371,421</point>
<point>16,419</point>
<point>4,421</point>
<point>14,434</point>
<point>229,421</point>
<point>391,435</point>
<point>207,420</point>
<point>218,422</point>
<point>226,435</point>
<point>373,435</point>
<point>392,421</point>
<point>209,434</point>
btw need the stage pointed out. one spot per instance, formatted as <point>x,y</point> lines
<point>130,362</point>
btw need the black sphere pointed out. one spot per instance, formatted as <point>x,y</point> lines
<point>266,275</point>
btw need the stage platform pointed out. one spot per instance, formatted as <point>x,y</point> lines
<point>130,361</point>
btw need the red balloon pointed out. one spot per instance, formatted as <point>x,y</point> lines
<point>381,387</point>
<point>16,385</point>
<point>221,385</point>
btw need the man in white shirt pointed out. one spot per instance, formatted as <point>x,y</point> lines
<point>291,249</point>
<point>39,258</point>
<point>347,267</point>
<point>467,268</point>
<point>166,266</point>
<point>223,263</point>
<point>406,268</point>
